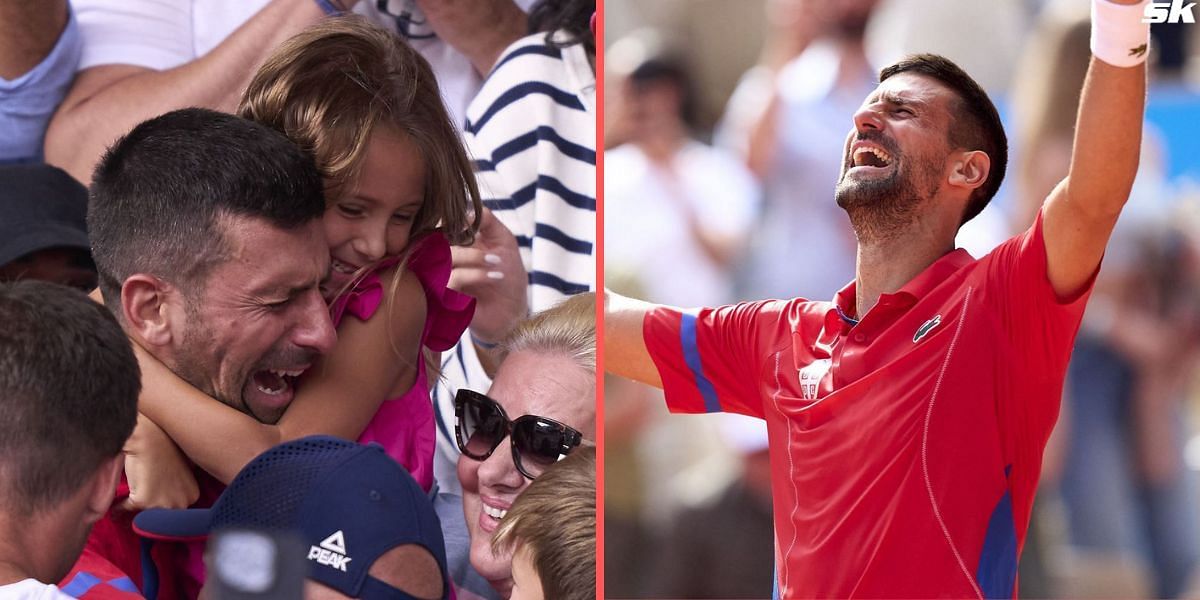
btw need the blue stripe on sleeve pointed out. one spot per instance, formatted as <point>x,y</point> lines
<point>124,584</point>
<point>80,584</point>
<point>691,356</point>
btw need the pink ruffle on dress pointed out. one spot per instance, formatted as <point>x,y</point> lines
<point>404,425</point>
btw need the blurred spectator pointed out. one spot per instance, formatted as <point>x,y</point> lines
<point>787,119</point>
<point>678,213</point>
<point>142,58</point>
<point>368,529</point>
<point>39,50</point>
<point>43,234</point>
<point>541,406</point>
<point>1129,497</point>
<point>551,531</point>
<point>630,546</point>
<point>1117,451</point>
<point>903,27</point>
<point>68,399</point>
<point>1172,42</point>
<point>532,132</point>
<point>725,549</point>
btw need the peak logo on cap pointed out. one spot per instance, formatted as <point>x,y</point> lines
<point>331,552</point>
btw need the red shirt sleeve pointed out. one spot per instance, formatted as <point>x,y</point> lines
<point>1035,319</point>
<point>710,359</point>
<point>1039,328</point>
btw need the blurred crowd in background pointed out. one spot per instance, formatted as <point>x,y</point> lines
<point>724,128</point>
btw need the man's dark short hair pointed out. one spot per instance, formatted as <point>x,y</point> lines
<point>976,123</point>
<point>68,393</point>
<point>159,194</point>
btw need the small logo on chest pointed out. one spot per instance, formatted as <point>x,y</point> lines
<point>926,327</point>
<point>810,377</point>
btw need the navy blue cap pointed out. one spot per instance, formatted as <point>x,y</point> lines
<point>43,208</point>
<point>351,503</point>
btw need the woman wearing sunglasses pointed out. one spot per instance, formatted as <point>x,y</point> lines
<point>541,406</point>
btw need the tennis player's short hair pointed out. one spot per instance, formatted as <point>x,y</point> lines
<point>976,125</point>
<point>160,196</point>
<point>554,521</point>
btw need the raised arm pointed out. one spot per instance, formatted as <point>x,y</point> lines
<point>108,100</point>
<point>1081,212</point>
<point>625,351</point>
<point>372,360</point>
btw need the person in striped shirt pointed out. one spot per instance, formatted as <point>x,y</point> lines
<point>532,133</point>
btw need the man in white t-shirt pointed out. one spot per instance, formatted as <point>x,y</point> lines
<point>142,58</point>
<point>68,400</point>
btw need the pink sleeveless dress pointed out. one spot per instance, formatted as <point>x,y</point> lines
<point>404,425</point>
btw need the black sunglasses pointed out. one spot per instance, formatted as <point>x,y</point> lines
<point>480,424</point>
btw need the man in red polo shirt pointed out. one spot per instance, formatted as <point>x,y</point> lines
<point>206,232</point>
<point>907,418</point>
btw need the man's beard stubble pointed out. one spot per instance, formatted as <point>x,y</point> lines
<point>196,360</point>
<point>883,209</point>
<point>198,363</point>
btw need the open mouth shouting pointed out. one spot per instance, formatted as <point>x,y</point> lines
<point>275,382</point>
<point>867,158</point>
<point>268,392</point>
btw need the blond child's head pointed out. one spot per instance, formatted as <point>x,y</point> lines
<point>551,530</point>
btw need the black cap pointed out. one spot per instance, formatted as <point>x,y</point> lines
<point>40,207</point>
